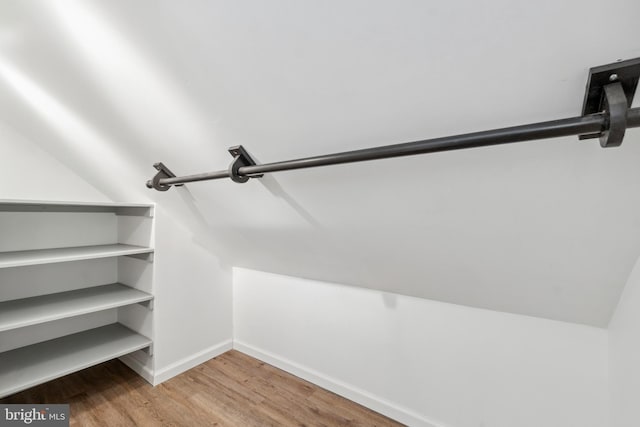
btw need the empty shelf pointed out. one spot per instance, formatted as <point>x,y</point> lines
<point>48,256</point>
<point>30,311</point>
<point>35,364</point>
<point>136,209</point>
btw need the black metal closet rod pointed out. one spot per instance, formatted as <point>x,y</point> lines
<point>611,96</point>
<point>556,128</point>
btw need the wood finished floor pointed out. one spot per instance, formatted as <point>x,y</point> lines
<point>231,390</point>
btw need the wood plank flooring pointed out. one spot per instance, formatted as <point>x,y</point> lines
<point>231,390</point>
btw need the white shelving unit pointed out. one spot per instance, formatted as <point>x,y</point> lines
<point>76,288</point>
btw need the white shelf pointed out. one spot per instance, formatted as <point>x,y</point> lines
<point>31,311</point>
<point>48,256</point>
<point>35,364</point>
<point>136,209</point>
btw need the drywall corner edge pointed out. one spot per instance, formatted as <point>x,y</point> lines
<point>192,361</point>
<point>368,400</point>
<point>137,367</point>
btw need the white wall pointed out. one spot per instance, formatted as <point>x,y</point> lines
<point>194,322</point>
<point>108,87</point>
<point>425,362</point>
<point>29,172</point>
<point>624,353</point>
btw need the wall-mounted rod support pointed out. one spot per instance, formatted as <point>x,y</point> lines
<point>163,173</point>
<point>611,100</point>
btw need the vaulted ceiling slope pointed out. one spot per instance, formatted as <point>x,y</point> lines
<point>549,228</point>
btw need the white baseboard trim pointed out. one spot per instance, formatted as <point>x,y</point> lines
<point>189,362</point>
<point>138,367</point>
<point>375,403</point>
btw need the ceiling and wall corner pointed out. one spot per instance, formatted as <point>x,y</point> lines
<point>547,229</point>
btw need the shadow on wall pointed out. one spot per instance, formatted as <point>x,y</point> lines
<point>214,232</point>
<point>271,184</point>
<point>214,239</point>
<point>390,300</point>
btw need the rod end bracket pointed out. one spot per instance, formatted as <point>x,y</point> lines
<point>241,157</point>
<point>163,172</point>
<point>610,88</point>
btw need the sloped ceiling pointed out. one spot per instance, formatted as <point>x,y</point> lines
<point>549,228</point>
